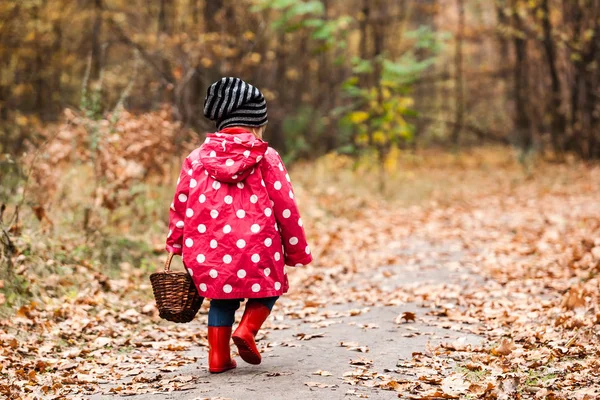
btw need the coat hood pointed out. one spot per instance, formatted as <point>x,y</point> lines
<point>230,155</point>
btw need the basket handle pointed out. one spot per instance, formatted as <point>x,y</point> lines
<point>168,262</point>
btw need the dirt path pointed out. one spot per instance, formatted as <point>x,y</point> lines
<point>369,333</point>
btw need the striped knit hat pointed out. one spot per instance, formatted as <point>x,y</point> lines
<point>231,102</point>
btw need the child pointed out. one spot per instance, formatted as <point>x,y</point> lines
<point>235,221</point>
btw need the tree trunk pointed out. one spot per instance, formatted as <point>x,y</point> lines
<point>523,124</point>
<point>211,9</point>
<point>459,94</point>
<point>96,40</point>
<point>558,124</point>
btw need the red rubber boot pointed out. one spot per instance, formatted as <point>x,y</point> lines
<point>254,316</point>
<point>219,351</point>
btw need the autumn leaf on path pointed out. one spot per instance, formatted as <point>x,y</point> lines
<point>319,385</point>
<point>434,395</point>
<point>361,361</point>
<point>505,348</point>
<point>406,316</point>
<point>304,336</point>
<point>322,373</point>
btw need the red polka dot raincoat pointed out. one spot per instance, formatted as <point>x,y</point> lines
<point>234,218</point>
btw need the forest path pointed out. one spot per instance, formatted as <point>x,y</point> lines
<point>290,365</point>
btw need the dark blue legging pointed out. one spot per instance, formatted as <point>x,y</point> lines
<point>222,312</point>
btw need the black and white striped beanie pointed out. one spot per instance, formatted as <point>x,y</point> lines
<point>233,102</point>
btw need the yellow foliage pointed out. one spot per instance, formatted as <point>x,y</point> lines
<point>358,117</point>
<point>362,139</point>
<point>392,160</point>
<point>379,137</point>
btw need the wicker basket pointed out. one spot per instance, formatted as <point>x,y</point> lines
<point>176,295</point>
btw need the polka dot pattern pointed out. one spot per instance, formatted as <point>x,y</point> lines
<point>243,224</point>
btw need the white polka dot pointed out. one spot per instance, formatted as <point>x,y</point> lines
<point>203,287</point>
<point>241,243</point>
<point>262,182</point>
<point>268,212</point>
<point>255,287</point>
<point>182,198</point>
<point>228,199</point>
<point>206,172</point>
<point>201,228</point>
<point>291,194</point>
<point>193,183</point>
<point>255,228</point>
<point>240,185</point>
<point>229,162</point>
<point>267,271</point>
<point>268,242</point>
<point>213,273</point>
<point>251,172</point>
<point>287,177</point>
<point>213,244</point>
<point>277,285</point>
<point>280,166</point>
<point>214,213</point>
<point>227,229</point>
<point>227,259</point>
<point>293,240</point>
<point>202,198</point>
<point>299,265</point>
<point>286,213</point>
<point>227,288</point>
<point>277,256</point>
<point>240,213</point>
<point>179,224</point>
<point>189,242</point>
<point>189,270</point>
<point>190,172</point>
<point>170,233</point>
<point>189,213</point>
<point>253,199</point>
<point>172,206</point>
<point>207,141</point>
<point>255,258</point>
<point>234,177</point>
<point>307,250</point>
<point>200,258</point>
<point>241,273</point>
<point>177,246</point>
<point>247,153</point>
<point>277,185</point>
<point>178,180</point>
<point>300,221</point>
<point>259,158</point>
<point>212,154</point>
<point>216,185</point>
